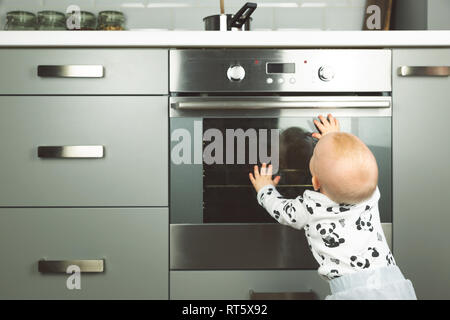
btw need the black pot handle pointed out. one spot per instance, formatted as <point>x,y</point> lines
<point>241,17</point>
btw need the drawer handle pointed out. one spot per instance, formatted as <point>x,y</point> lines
<point>60,266</point>
<point>63,152</point>
<point>408,71</point>
<point>71,71</point>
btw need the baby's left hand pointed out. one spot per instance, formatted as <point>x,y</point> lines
<point>265,178</point>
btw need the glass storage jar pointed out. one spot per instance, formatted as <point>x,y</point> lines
<point>111,20</point>
<point>51,20</point>
<point>20,20</point>
<point>87,21</point>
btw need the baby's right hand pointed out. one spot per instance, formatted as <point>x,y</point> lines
<point>326,126</point>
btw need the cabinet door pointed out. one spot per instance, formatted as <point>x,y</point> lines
<point>132,243</point>
<point>421,171</point>
<point>132,133</point>
<point>96,71</point>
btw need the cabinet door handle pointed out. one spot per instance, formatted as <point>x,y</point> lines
<point>60,266</point>
<point>71,71</point>
<point>63,152</point>
<point>437,71</point>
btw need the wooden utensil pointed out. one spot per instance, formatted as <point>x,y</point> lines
<point>222,7</point>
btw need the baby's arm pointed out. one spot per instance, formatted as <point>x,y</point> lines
<point>289,212</point>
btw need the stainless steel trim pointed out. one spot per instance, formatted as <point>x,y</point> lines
<point>62,152</point>
<point>60,266</point>
<point>242,247</point>
<point>70,71</point>
<point>423,71</point>
<point>280,106</point>
<point>238,247</point>
<point>252,105</point>
<point>355,70</point>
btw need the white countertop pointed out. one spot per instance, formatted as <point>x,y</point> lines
<point>275,39</point>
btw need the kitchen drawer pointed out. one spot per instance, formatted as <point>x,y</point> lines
<point>133,243</point>
<point>108,71</point>
<point>132,131</point>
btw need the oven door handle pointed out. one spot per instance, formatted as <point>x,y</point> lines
<point>258,105</point>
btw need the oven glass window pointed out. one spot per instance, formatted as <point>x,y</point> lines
<point>228,195</point>
<point>222,193</point>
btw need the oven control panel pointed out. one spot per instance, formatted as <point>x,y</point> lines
<point>269,70</point>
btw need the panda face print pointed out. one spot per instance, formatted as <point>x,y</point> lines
<point>339,209</point>
<point>359,262</point>
<point>276,214</point>
<point>306,228</point>
<point>336,261</point>
<point>330,238</point>
<point>373,252</point>
<point>313,206</point>
<point>261,197</point>
<point>289,209</point>
<point>269,191</point>
<point>390,259</point>
<point>325,228</point>
<point>363,261</point>
<point>333,274</point>
<point>364,221</point>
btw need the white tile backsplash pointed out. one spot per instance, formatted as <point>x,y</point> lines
<point>153,18</point>
<point>191,18</point>
<point>61,5</point>
<point>189,14</point>
<point>299,18</point>
<point>344,18</point>
<point>358,3</point>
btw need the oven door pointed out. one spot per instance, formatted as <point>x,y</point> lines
<point>216,222</point>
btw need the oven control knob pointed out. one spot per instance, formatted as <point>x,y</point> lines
<point>326,73</point>
<point>236,73</point>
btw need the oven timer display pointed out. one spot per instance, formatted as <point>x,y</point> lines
<point>280,68</point>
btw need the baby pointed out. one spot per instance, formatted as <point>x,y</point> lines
<point>340,218</point>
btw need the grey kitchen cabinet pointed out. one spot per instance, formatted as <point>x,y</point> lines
<point>237,284</point>
<point>132,242</point>
<point>421,172</point>
<point>133,131</point>
<point>97,71</point>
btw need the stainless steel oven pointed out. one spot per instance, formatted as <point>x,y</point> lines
<point>263,102</point>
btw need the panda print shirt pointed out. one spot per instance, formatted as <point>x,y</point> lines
<point>343,238</point>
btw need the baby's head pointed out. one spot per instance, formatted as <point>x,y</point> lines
<point>343,168</point>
